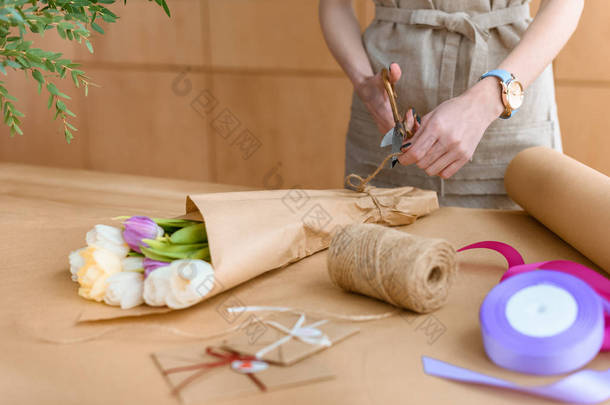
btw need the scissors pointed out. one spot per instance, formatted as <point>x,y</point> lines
<point>399,134</point>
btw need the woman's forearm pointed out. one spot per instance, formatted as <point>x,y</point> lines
<point>342,33</point>
<point>541,43</point>
<point>554,24</point>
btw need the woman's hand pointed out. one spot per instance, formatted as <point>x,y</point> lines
<point>450,133</point>
<point>372,93</point>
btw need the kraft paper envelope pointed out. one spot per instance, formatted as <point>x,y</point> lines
<point>294,349</point>
<point>223,381</point>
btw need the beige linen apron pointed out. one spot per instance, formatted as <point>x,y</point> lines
<point>443,47</point>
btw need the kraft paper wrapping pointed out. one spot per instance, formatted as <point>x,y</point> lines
<point>252,232</point>
<point>568,197</point>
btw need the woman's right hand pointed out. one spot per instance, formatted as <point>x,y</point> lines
<point>372,93</point>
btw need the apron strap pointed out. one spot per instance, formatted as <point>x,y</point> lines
<point>460,24</point>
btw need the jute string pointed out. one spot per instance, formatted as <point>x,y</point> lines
<point>405,270</point>
<point>362,183</point>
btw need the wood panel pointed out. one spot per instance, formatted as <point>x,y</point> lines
<point>145,35</point>
<point>147,123</point>
<point>43,142</point>
<point>299,123</point>
<point>268,34</point>
<point>585,125</point>
<point>586,56</point>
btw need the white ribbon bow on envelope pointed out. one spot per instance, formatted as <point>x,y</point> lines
<point>305,333</point>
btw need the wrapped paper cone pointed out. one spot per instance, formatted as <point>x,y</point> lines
<point>198,377</point>
<point>275,344</point>
<point>252,232</point>
<point>568,197</point>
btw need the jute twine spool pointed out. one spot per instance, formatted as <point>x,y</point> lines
<point>404,270</point>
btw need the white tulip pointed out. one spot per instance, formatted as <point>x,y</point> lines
<point>109,238</point>
<point>76,262</point>
<point>181,284</point>
<point>156,286</point>
<point>124,289</point>
<point>133,263</point>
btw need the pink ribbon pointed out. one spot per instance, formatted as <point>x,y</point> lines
<point>516,265</point>
<point>584,386</point>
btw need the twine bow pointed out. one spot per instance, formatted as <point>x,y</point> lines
<point>226,357</point>
<point>362,183</point>
<point>363,186</point>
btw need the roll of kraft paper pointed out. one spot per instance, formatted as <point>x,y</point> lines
<point>569,198</point>
<point>404,270</point>
<point>542,322</point>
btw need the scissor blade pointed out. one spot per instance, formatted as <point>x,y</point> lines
<point>396,144</point>
<point>387,138</point>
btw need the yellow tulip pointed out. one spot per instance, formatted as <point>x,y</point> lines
<point>99,264</point>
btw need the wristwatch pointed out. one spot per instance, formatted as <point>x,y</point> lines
<point>512,91</point>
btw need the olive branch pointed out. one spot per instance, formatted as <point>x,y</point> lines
<point>72,20</point>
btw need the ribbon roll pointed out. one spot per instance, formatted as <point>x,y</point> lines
<point>543,322</point>
<point>516,265</point>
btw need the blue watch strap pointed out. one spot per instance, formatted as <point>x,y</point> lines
<point>501,74</point>
<point>505,77</point>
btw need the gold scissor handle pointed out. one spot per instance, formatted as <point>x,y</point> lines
<point>389,88</point>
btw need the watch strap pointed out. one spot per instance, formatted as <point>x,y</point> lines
<point>501,74</point>
<point>505,77</point>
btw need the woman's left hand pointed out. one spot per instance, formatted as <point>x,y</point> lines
<point>450,133</point>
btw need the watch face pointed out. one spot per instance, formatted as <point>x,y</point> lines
<point>514,94</point>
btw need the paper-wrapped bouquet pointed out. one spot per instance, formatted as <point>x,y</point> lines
<point>226,239</point>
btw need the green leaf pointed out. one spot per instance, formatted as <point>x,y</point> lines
<point>75,78</point>
<point>49,65</point>
<point>89,47</point>
<point>53,89</point>
<point>97,28</point>
<point>60,105</point>
<point>13,64</point>
<point>68,135</point>
<point>22,61</point>
<point>38,76</point>
<point>9,97</point>
<point>165,8</point>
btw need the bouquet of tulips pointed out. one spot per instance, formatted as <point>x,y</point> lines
<point>167,263</point>
<point>157,261</point>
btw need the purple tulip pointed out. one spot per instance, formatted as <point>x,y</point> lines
<point>138,228</point>
<point>151,265</point>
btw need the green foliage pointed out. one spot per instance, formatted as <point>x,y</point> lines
<point>72,19</point>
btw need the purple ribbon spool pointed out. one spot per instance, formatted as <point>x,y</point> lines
<point>579,336</point>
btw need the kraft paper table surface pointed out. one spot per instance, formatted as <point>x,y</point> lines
<point>44,214</point>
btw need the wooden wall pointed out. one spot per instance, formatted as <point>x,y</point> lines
<point>245,92</point>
